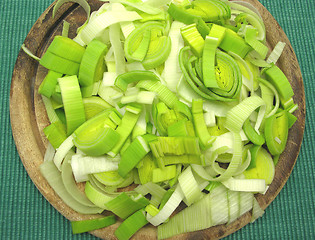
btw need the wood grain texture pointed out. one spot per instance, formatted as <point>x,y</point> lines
<point>28,116</point>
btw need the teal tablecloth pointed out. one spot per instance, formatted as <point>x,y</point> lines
<point>25,213</point>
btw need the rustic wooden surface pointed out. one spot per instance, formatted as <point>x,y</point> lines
<point>28,116</point>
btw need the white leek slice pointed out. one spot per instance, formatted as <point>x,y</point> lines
<point>257,211</point>
<point>237,115</point>
<point>52,116</point>
<point>50,153</point>
<point>53,177</point>
<point>193,218</point>
<point>249,83</point>
<point>114,36</point>
<point>224,140</point>
<point>84,165</point>
<point>127,28</point>
<point>189,186</point>
<point>146,97</point>
<point>172,71</point>
<point>29,53</point>
<point>246,202</point>
<point>104,20</point>
<point>260,118</point>
<point>156,191</point>
<point>143,7</point>
<point>69,182</point>
<point>134,66</point>
<point>276,53</point>
<point>110,94</point>
<point>233,198</point>
<point>219,205</point>
<point>141,125</point>
<point>184,90</point>
<point>62,151</point>
<point>209,119</point>
<point>157,3</point>
<point>168,208</point>
<point>108,79</point>
<point>245,185</point>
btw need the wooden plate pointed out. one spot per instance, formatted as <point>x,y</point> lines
<point>28,116</point>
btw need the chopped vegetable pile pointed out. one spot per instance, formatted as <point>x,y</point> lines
<point>161,102</point>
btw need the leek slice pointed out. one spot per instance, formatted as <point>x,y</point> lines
<point>264,169</point>
<point>237,115</point>
<point>62,151</point>
<point>132,156</point>
<point>234,43</point>
<point>257,211</point>
<point>145,170</point>
<point>58,64</point>
<point>245,185</point>
<point>123,80</point>
<point>143,7</point>
<point>193,38</point>
<point>70,184</point>
<point>66,48</point>
<point>228,77</point>
<point>189,186</point>
<point>164,94</point>
<point>255,137</point>
<point>213,206</point>
<point>251,15</point>
<point>118,51</point>
<point>55,133</point>
<point>280,82</point>
<point>47,87</point>
<point>250,38</point>
<point>92,66</point>
<point>233,198</point>
<point>276,52</point>
<point>156,191</point>
<point>50,153</point>
<point>53,177</point>
<point>131,225</point>
<point>200,125</point>
<point>245,202</point>
<point>123,205</point>
<point>104,20</point>
<point>193,218</point>
<point>65,28</point>
<point>51,113</point>
<point>29,53</point>
<point>158,52</point>
<point>168,208</point>
<point>219,205</point>
<point>208,62</point>
<point>269,98</point>
<point>72,101</point>
<point>96,196</point>
<point>161,175</point>
<point>95,137</point>
<point>93,106</point>
<point>111,178</point>
<point>84,165</point>
<point>128,122</point>
<point>172,70</point>
<point>276,127</point>
<point>92,224</point>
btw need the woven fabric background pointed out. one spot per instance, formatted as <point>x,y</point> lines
<point>25,213</point>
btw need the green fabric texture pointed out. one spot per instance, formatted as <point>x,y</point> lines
<point>26,214</point>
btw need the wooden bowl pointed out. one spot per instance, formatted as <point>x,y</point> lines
<point>28,116</point>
